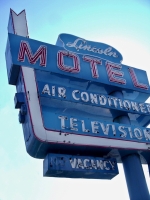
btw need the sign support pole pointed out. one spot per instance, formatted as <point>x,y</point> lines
<point>133,170</point>
<point>135,178</point>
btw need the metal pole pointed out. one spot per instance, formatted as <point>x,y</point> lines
<point>135,178</point>
<point>133,170</point>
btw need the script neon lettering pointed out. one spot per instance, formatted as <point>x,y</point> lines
<point>81,44</point>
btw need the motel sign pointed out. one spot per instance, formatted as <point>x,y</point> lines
<point>81,109</point>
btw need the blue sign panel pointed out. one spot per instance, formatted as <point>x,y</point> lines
<point>85,47</point>
<point>50,58</point>
<point>70,166</point>
<point>72,121</point>
<point>88,97</point>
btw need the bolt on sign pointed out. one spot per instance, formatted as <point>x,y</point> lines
<point>65,101</point>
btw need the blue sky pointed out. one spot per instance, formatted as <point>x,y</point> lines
<point>122,24</point>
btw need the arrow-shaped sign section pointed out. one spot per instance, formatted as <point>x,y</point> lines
<point>18,23</point>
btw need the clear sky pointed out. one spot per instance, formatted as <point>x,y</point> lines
<point>123,24</point>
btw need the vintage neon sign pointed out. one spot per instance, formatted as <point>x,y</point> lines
<point>65,100</point>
